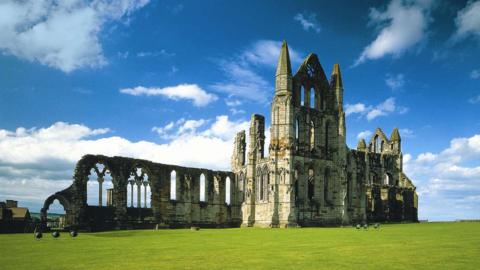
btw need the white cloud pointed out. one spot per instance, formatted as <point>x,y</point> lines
<point>406,133</point>
<point>35,163</point>
<point>474,100</point>
<point>395,82</point>
<point>308,21</point>
<point>266,53</point>
<point>404,24</point>
<point>382,109</point>
<point>468,21</point>
<point>355,108</point>
<point>233,104</point>
<point>60,34</point>
<point>475,74</point>
<point>364,134</point>
<point>162,52</point>
<point>243,82</point>
<point>241,71</point>
<point>371,112</point>
<point>450,177</point>
<point>191,92</point>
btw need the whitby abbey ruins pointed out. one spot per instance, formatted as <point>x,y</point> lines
<point>309,178</point>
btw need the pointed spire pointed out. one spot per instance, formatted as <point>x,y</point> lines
<point>284,67</point>
<point>361,146</point>
<point>336,78</point>
<point>395,135</point>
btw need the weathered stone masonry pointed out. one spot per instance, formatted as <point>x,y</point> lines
<point>186,210</point>
<point>309,178</point>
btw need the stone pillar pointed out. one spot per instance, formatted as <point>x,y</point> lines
<point>100,182</point>
<point>110,197</point>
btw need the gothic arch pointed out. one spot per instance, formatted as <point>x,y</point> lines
<point>49,201</point>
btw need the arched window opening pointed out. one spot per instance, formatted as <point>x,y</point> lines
<point>311,184</point>
<point>148,195</point>
<point>202,188</point>
<point>139,189</point>
<point>56,216</point>
<point>377,145</point>
<point>326,183</point>
<point>227,190</point>
<point>173,185</point>
<point>130,188</point>
<point>312,136</point>
<point>297,124</point>
<point>373,178</point>
<point>135,195</point>
<point>312,98</point>
<point>386,179</point>
<point>99,180</point>
<point>382,145</point>
<point>302,96</point>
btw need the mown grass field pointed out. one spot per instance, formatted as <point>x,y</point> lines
<point>405,246</point>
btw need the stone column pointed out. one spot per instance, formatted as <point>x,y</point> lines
<point>100,182</point>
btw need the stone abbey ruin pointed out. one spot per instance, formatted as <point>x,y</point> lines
<point>309,178</point>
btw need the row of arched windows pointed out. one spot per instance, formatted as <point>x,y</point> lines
<point>100,181</point>
<point>312,98</point>
<point>202,188</point>
<point>310,185</point>
<point>262,184</point>
<point>138,187</point>
<point>311,134</point>
<point>387,179</point>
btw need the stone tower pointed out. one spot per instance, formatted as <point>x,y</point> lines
<point>301,182</point>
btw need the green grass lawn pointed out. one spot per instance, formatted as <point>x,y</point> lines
<point>406,246</point>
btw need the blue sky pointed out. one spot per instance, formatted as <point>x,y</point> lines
<point>168,80</point>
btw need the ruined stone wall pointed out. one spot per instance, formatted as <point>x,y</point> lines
<point>388,196</point>
<point>183,211</point>
<point>309,178</point>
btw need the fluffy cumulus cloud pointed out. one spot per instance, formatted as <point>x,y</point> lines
<point>448,182</point>
<point>308,21</point>
<point>402,24</point>
<point>385,108</point>
<point>192,92</point>
<point>468,21</point>
<point>242,71</point>
<point>60,34</point>
<point>36,162</point>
